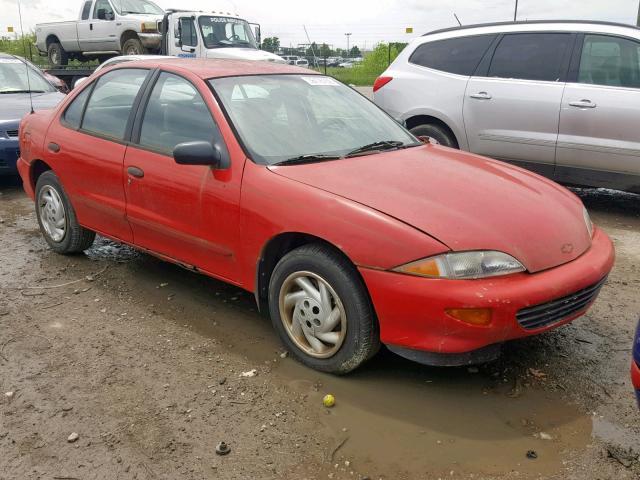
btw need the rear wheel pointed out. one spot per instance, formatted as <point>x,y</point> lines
<point>57,219</point>
<point>436,132</point>
<point>57,55</point>
<point>133,46</point>
<point>321,310</point>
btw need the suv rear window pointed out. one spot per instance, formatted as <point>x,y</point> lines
<point>530,56</point>
<point>454,55</point>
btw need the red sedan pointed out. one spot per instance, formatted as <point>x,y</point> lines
<point>348,230</point>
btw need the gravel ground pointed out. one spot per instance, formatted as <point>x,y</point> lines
<point>144,362</point>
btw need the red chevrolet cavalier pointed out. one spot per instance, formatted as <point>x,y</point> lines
<point>348,230</point>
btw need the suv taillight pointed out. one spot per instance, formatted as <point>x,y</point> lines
<point>381,82</point>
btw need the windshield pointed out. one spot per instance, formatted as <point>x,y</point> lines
<point>281,117</point>
<point>219,32</point>
<point>137,6</point>
<point>13,77</point>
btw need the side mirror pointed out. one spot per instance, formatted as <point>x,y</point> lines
<point>102,14</point>
<point>201,153</point>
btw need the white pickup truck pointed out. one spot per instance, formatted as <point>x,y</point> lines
<point>103,28</point>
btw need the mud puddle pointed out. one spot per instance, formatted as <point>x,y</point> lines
<point>393,418</point>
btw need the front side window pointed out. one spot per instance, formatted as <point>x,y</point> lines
<point>17,76</point>
<point>86,10</point>
<point>176,113</point>
<point>188,34</point>
<point>530,56</point>
<point>611,61</point>
<point>111,101</point>
<point>103,5</point>
<point>73,113</point>
<point>454,55</point>
<point>219,32</point>
<point>280,117</point>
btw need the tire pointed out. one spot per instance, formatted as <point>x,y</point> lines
<point>357,326</point>
<point>57,55</point>
<point>440,134</point>
<point>70,238</point>
<point>133,46</point>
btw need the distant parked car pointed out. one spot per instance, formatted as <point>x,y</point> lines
<point>291,185</point>
<point>17,79</point>
<point>115,61</point>
<point>635,364</point>
<point>290,59</point>
<point>302,62</point>
<point>559,98</point>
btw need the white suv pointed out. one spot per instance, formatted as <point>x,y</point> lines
<point>559,98</point>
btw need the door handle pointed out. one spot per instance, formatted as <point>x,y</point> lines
<point>584,103</point>
<point>135,172</point>
<point>481,96</point>
<point>53,147</point>
<point>91,26</point>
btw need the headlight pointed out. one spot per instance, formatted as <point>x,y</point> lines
<point>149,27</point>
<point>587,221</point>
<point>463,265</point>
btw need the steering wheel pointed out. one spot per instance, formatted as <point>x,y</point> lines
<point>234,38</point>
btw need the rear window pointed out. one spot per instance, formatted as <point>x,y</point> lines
<point>530,56</point>
<point>454,55</point>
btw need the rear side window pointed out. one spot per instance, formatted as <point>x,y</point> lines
<point>454,55</point>
<point>530,56</point>
<point>86,9</point>
<point>110,103</point>
<point>611,61</point>
<point>73,114</point>
<point>176,113</point>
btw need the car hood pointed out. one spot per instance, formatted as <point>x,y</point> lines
<point>235,53</point>
<point>463,200</point>
<point>14,106</point>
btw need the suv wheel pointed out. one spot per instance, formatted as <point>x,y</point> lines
<point>321,310</point>
<point>440,134</point>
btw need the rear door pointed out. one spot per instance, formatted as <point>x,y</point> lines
<point>512,103</point>
<point>83,26</point>
<point>599,141</point>
<point>89,142</point>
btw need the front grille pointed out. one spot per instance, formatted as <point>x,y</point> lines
<point>12,133</point>
<point>554,311</point>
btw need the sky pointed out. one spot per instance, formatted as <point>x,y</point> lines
<point>369,21</point>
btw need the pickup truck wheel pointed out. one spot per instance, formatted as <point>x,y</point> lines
<point>320,308</point>
<point>57,218</point>
<point>57,55</point>
<point>133,46</point>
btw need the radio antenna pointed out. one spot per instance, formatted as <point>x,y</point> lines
<point>26,65</point>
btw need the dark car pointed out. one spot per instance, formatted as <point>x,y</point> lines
<point>17,80</point>
<point>635,364</point>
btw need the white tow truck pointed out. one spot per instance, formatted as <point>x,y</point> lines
<point>107,28</point>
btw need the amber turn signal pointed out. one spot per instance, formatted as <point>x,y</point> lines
<point>472,316</point>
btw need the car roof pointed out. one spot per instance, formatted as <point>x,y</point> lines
<point>216,68</point>
<point>536,25</point>
<point>7,55</point>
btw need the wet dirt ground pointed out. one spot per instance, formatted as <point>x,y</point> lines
<point>144,361</point>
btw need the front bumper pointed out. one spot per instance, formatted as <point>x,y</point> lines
<point>411,310</point>
<point>9,153</point>
<point>150,40</point>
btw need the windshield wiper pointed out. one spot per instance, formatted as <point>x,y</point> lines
<point>20,91</point>
<point>306,159</point>
<point>377,146</point>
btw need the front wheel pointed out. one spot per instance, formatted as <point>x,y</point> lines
<point>320,308</point>
<point>57,219</point>
<point>133,46</point>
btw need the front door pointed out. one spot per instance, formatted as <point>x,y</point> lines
<point>189,213</point>
<point>511,106</point>
<point>90,143</point>
<point>103,30</point>
<point>186,33</point>
<point>599,142</point>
